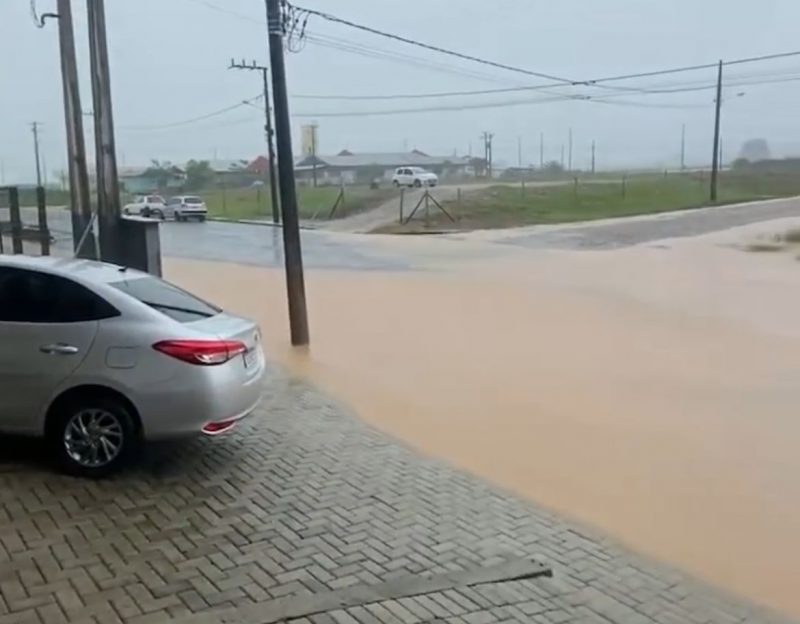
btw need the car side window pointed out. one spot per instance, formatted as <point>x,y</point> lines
<point>33,297</point>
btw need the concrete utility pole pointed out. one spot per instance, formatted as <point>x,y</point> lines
<point>108,196</point>
<point>487,151</point>
<point>541,150</point>
<point>35,130</point>
<point>293,256</point>
<point>683,147</point>
<point>314,128</point>
<point>715,160</point>
<point>273,185</point>
<point>83,240</point>
<point>570,149</point>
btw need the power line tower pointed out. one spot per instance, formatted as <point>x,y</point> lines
<point>273,185</point>
<point>35,129</point>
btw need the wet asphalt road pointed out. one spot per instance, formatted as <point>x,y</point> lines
<point>262,245</point>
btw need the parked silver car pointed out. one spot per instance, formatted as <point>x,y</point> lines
<point>98,358</point>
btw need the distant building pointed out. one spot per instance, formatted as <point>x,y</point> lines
<point>362,168</point>
<point>231,172</point>
<point>259,166</point>
<point>139,180</point>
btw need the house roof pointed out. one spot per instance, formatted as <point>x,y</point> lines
<point>387,159</point>
<point>228,165</point>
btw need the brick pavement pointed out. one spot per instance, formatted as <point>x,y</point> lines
<point>306,499</point>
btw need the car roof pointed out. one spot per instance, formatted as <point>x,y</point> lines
<point>87,271</point>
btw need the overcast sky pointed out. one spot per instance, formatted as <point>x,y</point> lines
<point>169,63</point>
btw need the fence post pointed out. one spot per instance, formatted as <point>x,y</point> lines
<point>41,209</point>
<point>624,185</point>
<point>575,187</point>
<point>402,199</point>
<point>458,202</point>
<point>427,210</point>
<point>16,220</point>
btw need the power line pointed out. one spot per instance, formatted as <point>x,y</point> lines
<point>467,57</point>
<point>192,120</point>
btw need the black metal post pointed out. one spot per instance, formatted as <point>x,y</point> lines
<point>293,256</point>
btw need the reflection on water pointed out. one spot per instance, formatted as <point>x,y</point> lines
<point>651,393</point>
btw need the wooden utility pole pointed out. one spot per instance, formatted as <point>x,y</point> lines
<point>293,256</point>
<point>715,160</point>
<point>273,185</point>
<point>108,196</point>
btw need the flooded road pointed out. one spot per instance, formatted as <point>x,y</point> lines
<point>649,392</point>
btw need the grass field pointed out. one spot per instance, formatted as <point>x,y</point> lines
<point>254,203</point>
<point>507,206</point>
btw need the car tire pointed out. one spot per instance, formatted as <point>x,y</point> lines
<point>201,219</point>
<point>396,184</point>
<point>417,183</point>
<point>145,212</point>
<point>93,436</point>
<point>158,214</point>
<point>126,211</point>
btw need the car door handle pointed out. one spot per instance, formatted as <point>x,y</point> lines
<point>59,349</point>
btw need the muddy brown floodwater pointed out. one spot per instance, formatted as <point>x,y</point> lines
<point>651,393</point>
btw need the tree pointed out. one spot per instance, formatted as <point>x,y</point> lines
<point>198,174</point>
<point>755,150</point>
<point>553,167</point>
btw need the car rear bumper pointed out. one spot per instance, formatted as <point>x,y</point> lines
<point>184,406</point>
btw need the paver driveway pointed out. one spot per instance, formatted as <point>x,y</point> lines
<point>306,499</point>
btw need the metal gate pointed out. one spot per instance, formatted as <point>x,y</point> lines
<point>23,228</point>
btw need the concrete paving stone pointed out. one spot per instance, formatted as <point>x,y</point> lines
<point>305,498</point>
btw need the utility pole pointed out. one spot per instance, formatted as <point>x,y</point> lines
<point>293,256</point>
<point>715,161</point>
<point>562,157</point>
<point>80,196</point>
<point>273,185</point>
<point>594,157</point>
<point>570,149</point>
<point>108,197</point>
<point>683,147</point>
<point>35,130</point>
<point>314,127</point>
<point>541,150</point>
<point>487,151</point>
<point>519,152</point>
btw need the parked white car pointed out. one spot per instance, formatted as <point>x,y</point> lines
<point>98,358</point>
<point>414,176</point>
<point>146,206</point>
<point>185,207</point>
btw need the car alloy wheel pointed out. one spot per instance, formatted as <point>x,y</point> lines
<point>94,438</point>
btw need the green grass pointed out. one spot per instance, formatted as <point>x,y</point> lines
<point>254,203</point>
<point>507,206</point>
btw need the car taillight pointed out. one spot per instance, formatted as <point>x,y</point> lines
<point>201,352</point>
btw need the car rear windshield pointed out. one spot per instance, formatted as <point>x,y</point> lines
<point>155,199</point>
<point>192,200</point>
<point>170,300</point>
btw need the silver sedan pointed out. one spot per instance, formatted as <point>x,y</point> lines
<point>98,358</point>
